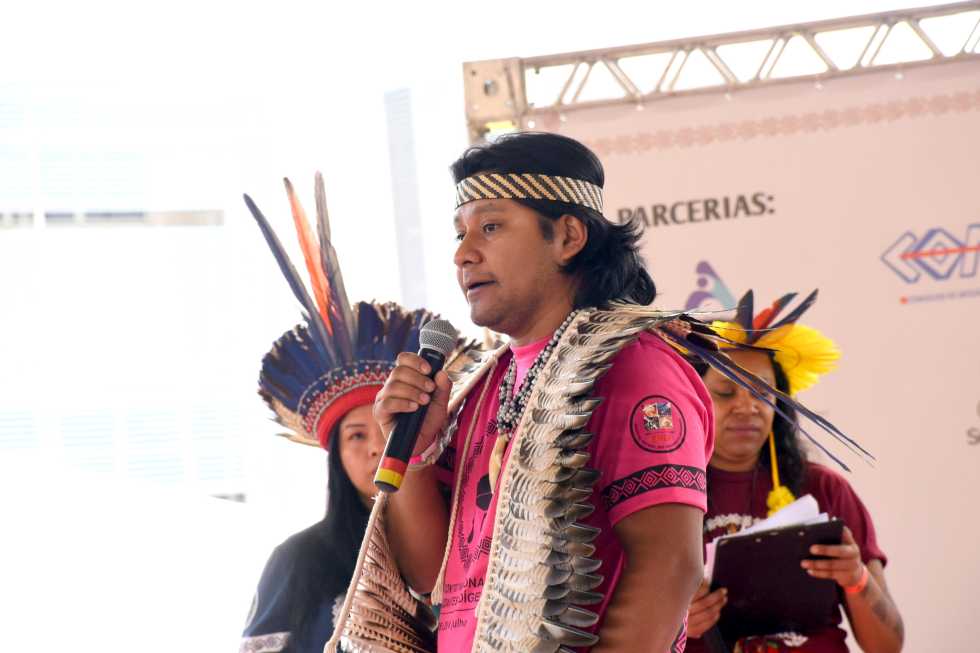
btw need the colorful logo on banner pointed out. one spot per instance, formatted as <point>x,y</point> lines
<point>712,293</point>
<point>937,255</point>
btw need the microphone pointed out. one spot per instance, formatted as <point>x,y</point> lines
<point>436,340</point>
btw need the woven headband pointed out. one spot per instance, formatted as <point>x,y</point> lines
<point>525,186</point>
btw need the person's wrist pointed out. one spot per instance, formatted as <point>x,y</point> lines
<point>428,454</point>
<point>422,445</point>
<point>858,585</point>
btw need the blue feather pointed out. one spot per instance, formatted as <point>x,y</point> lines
<point>743,316</point>
<point>797,312</point>
<point>745,379</point>
<point>321,342</point>
<point>369,328</point>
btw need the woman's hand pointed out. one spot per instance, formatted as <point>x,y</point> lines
<point>875,620</point>
<point>705,609</point>
<point>843,564</point>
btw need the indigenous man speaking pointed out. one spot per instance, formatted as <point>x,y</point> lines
<point>575,456</point>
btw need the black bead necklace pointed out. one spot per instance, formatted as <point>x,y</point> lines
<point>512,405</point>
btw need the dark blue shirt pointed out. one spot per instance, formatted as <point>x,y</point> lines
<point>268,623</point>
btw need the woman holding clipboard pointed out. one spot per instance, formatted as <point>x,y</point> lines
<point>759,466</point>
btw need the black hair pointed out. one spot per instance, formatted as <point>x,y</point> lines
<point>325,564</point>
<point>790,454</point>
<point>609,267</point>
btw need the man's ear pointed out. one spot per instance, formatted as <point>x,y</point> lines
<point>571,236</point>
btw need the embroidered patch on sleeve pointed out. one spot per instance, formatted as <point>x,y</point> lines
<point>658,425</point>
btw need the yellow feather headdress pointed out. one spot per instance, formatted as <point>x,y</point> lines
<point>803,353</point>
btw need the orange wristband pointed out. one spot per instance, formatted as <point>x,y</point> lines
<point>859,586</point>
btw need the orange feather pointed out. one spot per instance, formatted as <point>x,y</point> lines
<point>311,253</point>
<point>764,319</point>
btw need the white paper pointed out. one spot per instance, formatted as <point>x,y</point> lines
<point>802,511</point>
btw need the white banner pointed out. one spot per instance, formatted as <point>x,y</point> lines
<point>866,188</point>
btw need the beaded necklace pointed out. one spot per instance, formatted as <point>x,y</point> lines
<point>512,405</point>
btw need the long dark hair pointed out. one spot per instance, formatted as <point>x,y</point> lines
<point>609,267</point>
<point>790,454</point>
<point>325,564</point>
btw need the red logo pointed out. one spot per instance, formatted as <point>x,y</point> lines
<point>657,425</point>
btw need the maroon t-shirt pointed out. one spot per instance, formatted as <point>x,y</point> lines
<point>734,505</point>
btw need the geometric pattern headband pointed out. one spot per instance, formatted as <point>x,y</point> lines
<point>523,186</point>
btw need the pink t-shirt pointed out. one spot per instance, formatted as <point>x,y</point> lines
<point>653,438</point>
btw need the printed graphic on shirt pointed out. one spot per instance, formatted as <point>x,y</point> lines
<point>658,425</point>
<point>469,539</point>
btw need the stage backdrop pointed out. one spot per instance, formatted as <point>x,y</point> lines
<point>866,188</point>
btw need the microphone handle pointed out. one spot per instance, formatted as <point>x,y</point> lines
<point>394,461</point>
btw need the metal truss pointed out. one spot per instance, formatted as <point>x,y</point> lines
<point>506,94</point>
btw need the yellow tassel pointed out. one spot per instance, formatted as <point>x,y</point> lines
<point>778,499</point>
<point>780,496</point>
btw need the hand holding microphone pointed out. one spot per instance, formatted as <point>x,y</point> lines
<point>411,408</point>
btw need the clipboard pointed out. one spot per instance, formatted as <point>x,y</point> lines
<point>768,591</point>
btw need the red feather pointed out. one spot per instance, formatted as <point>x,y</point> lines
<point>765,317</point>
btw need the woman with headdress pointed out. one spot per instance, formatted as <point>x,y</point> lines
<point>320,380</point>
<point>759,466</point>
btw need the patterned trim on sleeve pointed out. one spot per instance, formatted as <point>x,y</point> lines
<point>657,477</point>
<point>271,643</point>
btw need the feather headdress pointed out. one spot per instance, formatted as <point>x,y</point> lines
<point>339,357</point>
<point>803,353</point>
<point>805,358</point>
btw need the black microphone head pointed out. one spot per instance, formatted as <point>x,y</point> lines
<point>438,335</point>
